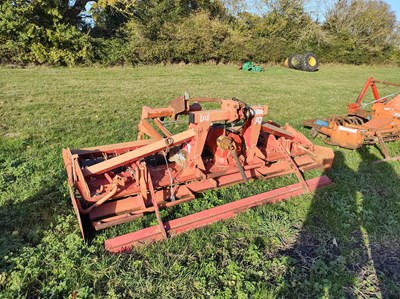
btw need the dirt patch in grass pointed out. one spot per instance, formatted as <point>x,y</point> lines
<point>386,256</point>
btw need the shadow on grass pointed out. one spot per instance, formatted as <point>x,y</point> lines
<point>22,224</point>
<point>349,245</point>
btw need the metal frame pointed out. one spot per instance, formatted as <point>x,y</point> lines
<point>114,184</point>
<point>360,127</point>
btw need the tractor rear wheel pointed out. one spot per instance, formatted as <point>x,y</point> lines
<point>309,62</point>
<point>294,61</point>
<point>290,61</point>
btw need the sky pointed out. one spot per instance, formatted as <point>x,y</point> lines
<point>318,5</point>
<point>315,4</point>
<point>395,5</point>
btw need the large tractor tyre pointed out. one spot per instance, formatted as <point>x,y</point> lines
<point>309,63</point>
<point>290,61</point>
<point>298,58</point>
<point>295,61</point>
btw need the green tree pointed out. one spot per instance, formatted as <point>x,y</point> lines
<point>283,29</point>
<point>197,38</point>
<point>35,31</point>
<point>360,31</point>
<point>151,15</point>
<point>153,32</point>
<point>47,31</point>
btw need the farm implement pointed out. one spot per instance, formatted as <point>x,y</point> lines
<point>363,126</point>
<point>118,183</point>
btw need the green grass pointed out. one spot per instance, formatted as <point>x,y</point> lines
<point>342,241</point>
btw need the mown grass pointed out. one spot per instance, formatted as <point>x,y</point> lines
<point>342,241</point>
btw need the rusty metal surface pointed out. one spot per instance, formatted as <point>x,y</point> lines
<point>376,122</point>
<point>201,219</point>
<point>114,184</point>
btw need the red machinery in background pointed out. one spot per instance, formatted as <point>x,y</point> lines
<point>117,183</point>
<point>361,126</point>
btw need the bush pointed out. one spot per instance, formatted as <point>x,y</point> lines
<point>163,31</point>
<point>196,39</point>
<point>109,52</point>
<point>360,32</point>
<point>33,32</point>
<point>199,38</point>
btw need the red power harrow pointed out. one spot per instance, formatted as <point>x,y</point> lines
<point>117,183</point>
<point>375,122</point>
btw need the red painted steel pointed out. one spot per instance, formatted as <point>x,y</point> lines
<point>200,219</point>
<point>114,184</point>
<point>363,126</point>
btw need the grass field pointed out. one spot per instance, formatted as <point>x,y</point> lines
<point>342,241</point>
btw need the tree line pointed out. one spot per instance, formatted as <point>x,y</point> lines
<point>125,32</point>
